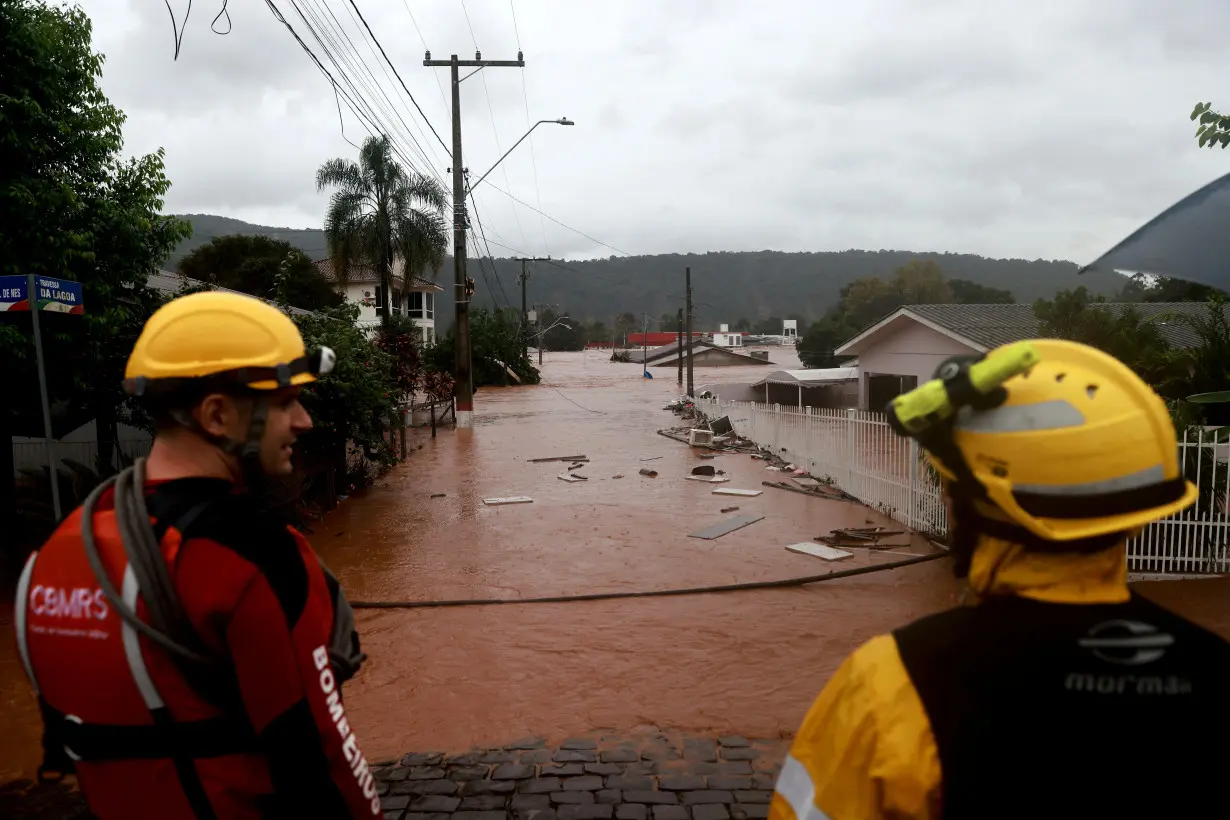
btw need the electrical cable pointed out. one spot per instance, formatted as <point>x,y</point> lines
<point>495,131</point>
<point>525,96</point>
<point>657,593</point>
<point>434,161</point>
<point>177,31</point>
<point>355,63</point>
<point>372,120</point>
<point>399,79</point>
<point>583,407</point>
<point>553,219</point>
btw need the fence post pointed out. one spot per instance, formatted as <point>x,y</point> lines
<point>911,516</point>
<point>851,427</point>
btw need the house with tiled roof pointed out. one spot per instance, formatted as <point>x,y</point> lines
<point>417,299</point>
<point>904,348</point>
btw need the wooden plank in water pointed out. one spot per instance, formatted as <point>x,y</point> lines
<point>726,526</point>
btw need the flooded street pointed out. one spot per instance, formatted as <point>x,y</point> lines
<point>448,679</point>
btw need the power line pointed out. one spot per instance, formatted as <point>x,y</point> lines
<point>399,79</point>
<point>352,56</point>
<point>525,95</point>
<point>495,131</point>
<point>435,158</point>
<point>553,219</point>
<point>479,221</point>
<point>355,99</point>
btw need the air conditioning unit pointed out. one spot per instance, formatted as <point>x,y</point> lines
<point>700,437</point>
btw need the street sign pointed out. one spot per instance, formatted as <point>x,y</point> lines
<point>53,295</point>
<point>50,296</point>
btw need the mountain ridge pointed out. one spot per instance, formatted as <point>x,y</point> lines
<point>727,285</point>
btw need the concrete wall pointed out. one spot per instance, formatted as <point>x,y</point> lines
<point>363,293</point>
<point>915,350</point>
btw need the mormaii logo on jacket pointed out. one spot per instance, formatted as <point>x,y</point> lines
<point>350,745</point>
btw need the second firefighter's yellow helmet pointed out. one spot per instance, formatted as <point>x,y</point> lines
<point>1082,447</point>
<point>225,338</point>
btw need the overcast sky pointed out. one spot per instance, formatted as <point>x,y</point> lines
<point>1011,129</point>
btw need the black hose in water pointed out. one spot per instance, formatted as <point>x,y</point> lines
<point>657,593</point>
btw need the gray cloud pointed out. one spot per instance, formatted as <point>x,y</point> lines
<point>1000,127</point>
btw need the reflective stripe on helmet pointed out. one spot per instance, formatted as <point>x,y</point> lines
<point>1020,418</point>
<point>796,787</point>
<point>1142,478</point>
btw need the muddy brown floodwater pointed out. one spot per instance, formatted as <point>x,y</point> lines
<point>448,679</point>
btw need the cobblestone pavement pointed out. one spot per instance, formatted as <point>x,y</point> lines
<point>649,775</point>
<point>654,776</point>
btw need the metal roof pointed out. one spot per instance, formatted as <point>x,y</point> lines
<point>810,378</point>
<point>986,326</point>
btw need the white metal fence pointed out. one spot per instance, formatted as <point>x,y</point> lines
<point>863,456</point>
<point>33,454</point>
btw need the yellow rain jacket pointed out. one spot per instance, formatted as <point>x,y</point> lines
<point>865,749</point>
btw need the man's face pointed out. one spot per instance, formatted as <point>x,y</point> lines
<point>285,420</point>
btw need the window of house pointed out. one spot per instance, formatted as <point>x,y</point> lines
<point>379,297</point>
<point>429,299</point>
<point>416,304</point>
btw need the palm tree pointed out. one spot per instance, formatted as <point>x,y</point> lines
<point>379,212</point>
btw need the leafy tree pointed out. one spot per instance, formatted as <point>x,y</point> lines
<point>566,336</point>
<point>1149,288</point>
<point>768,327</point>
<point>744,325</point>
<point>380,212</point>
<point>965,292</point>
<point>626,323</point>
<point>350,403</point>
<point>1214,128</point>
<point>263,267</point>
<point>495,340</point>
<point>1136,342</point>
<point>596,332</point>
<point>72,207</point>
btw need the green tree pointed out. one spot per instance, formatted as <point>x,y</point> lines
<point>263,267</point>
<point>744,325</point>
<point>71,207</point>
<point>1148,288</point>
<point>1214,128</point>
<point>495,342</point>
<point>965,292</point>
<point>349,404</point>
<point>1136,342</point>
<point>379,212</point>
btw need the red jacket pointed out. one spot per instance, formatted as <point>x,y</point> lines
<point>265,735</point>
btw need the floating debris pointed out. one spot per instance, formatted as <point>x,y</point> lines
<point>559,458</point>
<point>512,499</point>
<point>645,471</point>
<point>819,551</point>
<point>723,527</point>
<point>731,491</point>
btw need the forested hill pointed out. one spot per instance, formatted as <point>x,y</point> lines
<point>726,286</point>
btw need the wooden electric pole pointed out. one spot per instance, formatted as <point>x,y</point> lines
<point>679,346</point>
<point>525,312</point>
<point>687,278</point>
<point>464,390</point>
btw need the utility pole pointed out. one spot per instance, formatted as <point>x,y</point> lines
<point>525,314</point>
<point>645,341</point>
<point>679,347</point>
<point>465,373</point>
<point>541,339</point>
<point>687,278</point>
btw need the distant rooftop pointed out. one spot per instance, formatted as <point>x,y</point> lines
<point>365,274</point>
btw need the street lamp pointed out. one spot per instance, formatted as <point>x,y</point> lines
<point>541,335</point>
<point>560,121</point>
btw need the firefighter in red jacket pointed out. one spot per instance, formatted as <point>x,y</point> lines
<point>189,669</point>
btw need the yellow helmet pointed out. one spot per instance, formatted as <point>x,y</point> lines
<point>1082,447</point>
<point>225,338</point>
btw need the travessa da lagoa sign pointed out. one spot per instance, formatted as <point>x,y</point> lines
<point>53,295</point>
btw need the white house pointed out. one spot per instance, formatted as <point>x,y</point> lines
<point>363,288</point>
<point>903,349</point>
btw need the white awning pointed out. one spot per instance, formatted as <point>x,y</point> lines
<point>810,378</point>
